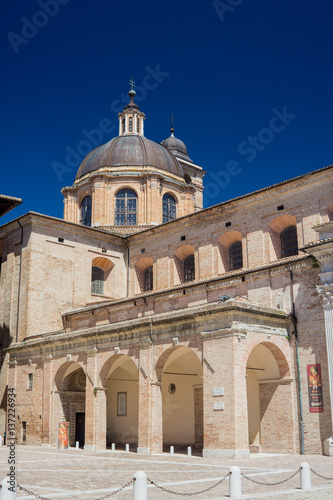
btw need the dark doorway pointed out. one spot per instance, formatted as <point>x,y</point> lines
<point>79,428</point>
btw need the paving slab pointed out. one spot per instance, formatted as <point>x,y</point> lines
<point>72,474</point>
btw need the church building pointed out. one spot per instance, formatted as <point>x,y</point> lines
<point>143,319</point>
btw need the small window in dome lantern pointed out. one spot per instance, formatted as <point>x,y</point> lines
<point>85,211</point>
<point>126,201</point>
<point>169,207</point>
<point>97,280</point>
<point>138,125</point>
<point>123,125</point>
<point>130,124</point>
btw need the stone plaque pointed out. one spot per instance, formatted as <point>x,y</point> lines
<point>218,405</point>
<point>218,391</point>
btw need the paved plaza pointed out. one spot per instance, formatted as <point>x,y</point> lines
<point>65,474</point>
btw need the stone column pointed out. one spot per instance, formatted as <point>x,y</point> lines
<point>225,408</point>
<point>47,401</point>
<point>326,291</point>
<point>100,418</point>
<point>198,414</point>
<point>150,427</point>
<point>323,252</point>
<point>144,410</point>
<point>90,406</point>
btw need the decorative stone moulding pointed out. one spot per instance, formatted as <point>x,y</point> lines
<point>326,293</point>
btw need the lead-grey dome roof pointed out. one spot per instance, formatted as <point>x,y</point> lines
<point>130,150</point>
<point>176,146</point>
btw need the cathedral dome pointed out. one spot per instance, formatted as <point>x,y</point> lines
<point>130,150</point>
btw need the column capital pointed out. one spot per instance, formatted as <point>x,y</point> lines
<point>326,293</point>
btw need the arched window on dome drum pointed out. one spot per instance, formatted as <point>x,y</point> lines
<point>138,124</point>
<point>169,207</point>
<point>235,256</point>
<point>189,272</point>
<point>97,280</point>
<point>123,125</point>
<point>85,211</point>
<point>148,284</point>
<point>289,245</point>
<point>130,128</point>
<point>126,201</point>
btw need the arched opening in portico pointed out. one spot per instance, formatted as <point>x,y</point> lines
<point>122,394</point>
<point>269,400</point>
<point>70,384</point>
<point>182,398</point>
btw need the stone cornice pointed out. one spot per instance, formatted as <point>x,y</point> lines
<point>137,330</point>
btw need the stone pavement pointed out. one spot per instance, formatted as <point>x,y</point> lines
<point>72,474</point>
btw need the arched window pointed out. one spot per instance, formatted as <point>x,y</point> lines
<point>169,207</point>
<point>235,256</point>
<point>148,284</point>
<point>97,280</point>
<point>288,239</point>
<point>123,125</point>
<point>85,211</point>
<point>130,128</point>
<point>126,207</point>
<point>138,125</point>
<point>189,272</point>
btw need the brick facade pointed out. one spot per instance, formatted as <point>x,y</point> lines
<point>210,362</point>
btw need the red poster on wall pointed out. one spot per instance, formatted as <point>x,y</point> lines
<point>316,404</point>
<point>63,432</point>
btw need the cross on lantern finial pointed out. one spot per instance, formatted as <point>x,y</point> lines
<point>132,83</point>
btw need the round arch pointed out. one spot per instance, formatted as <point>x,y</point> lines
<point>180,372</point>
<point>269,399</point>
<point>120,377</point>
<point>225,242</point>
<point>69,386</point>
<point>130,188</point>
<point>171,193</point>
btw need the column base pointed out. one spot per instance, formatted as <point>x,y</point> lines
<point>328,447</point>
<point>89,447</point>
<point>141,450</point>
<point>235,454</point>
<point>46,445</point>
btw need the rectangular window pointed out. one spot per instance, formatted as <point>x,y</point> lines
<point>121,404</point>
<point>30,380</point>
<point>24,432</point>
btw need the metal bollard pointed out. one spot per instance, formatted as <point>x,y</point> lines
<point>5,492</point>
<point>305,476</point>
<point>172,450</point>
<point>113,447</point>
<point>77,445</point>
<point>189,451</point>
<point>235,484</point>
<point>140,486</point>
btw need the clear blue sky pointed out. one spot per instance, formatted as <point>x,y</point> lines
<point>225,70</point>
